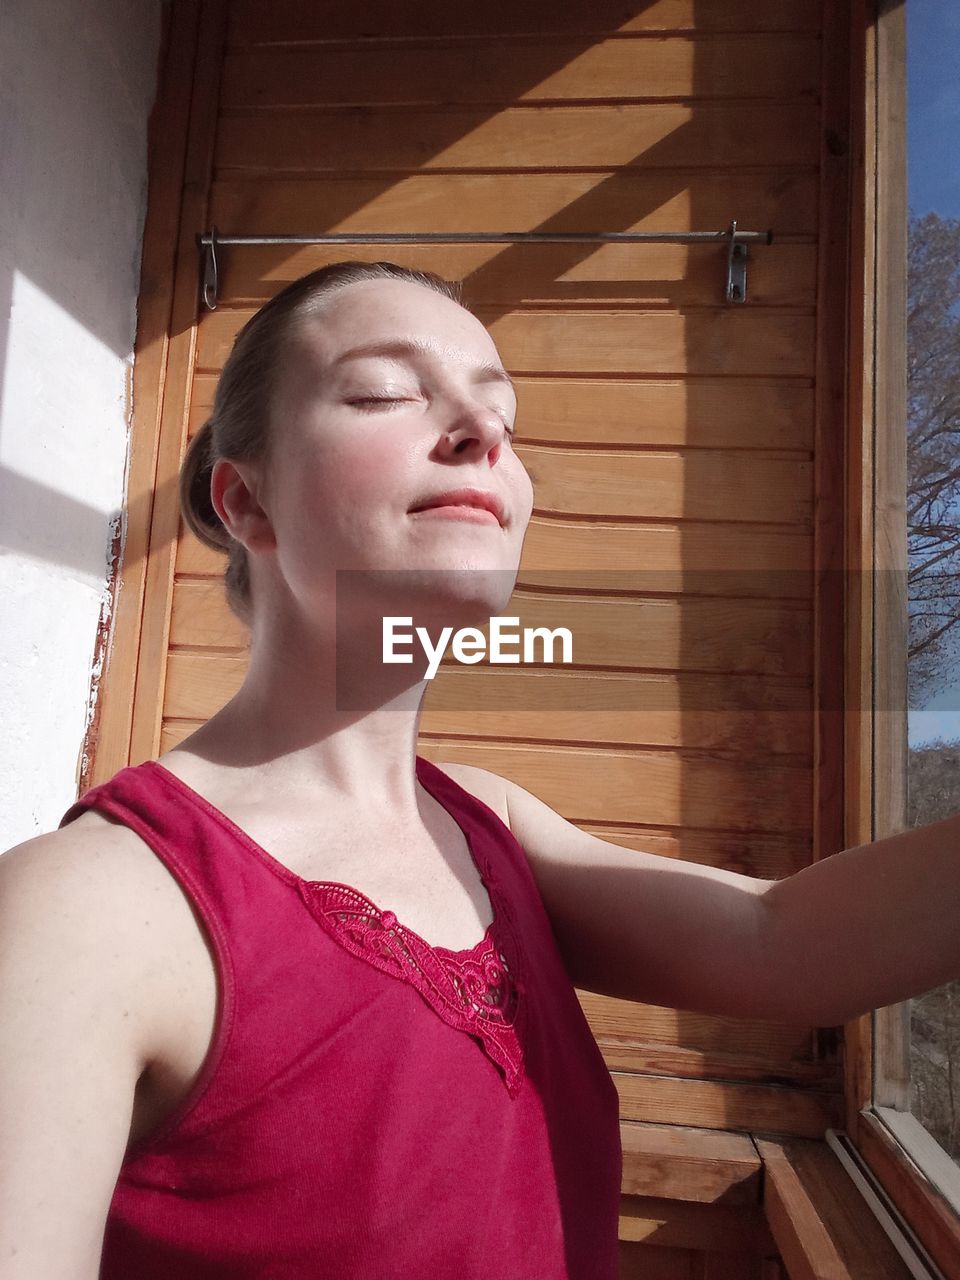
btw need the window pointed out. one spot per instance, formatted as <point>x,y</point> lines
<point>912,401</point>
<point>933,509</point>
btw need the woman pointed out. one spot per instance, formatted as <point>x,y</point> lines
<point>291,1001</point>
<point>297,1086</point>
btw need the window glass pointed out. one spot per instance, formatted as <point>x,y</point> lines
<point>933,507</point>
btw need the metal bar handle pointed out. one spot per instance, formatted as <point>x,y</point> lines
<point>736,241</point>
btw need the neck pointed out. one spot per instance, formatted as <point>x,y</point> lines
<point>322,713</point>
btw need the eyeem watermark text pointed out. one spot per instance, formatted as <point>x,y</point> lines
<point>469,644</point>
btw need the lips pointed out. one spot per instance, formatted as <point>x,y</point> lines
<point>481,498</point>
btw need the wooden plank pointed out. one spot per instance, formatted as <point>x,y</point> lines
<point>704,559</point>
<point>747,641</point>
<point>756,854</point>
<point>709,484</point>
<point>758,659</point>
<point>548,70</point>
<point>890,639</point>
<point>201,619</point>
<point>643,1038</point>
<point>823,1227</point>
<point>199,684</point>
<point>400,139</point>
<point>717,413</point>
<point>640,1038</point>
<point>178,379</point>
<point>779,198</point>
<point>666,788</point>
<point>688,711</point>
<point>922,1204</point>
<point>732,342</point>
<point>740,342</point>
<point>890,476</point>
<point>940,1169</point>
<point>668,275</point>
<point>106,747</point>
<point>858,1047</point>
<point>700,1165</point>
<point>587,707</point>
<point>712,1104</point>
<point>830,449</point>
<point>288,20</point>
<point>644,1261</point>
<point>736,1236</point>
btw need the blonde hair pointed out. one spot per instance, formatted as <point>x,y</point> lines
<point>238,427</point>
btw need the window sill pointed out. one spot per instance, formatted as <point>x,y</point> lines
<point>919,1178</point>
<point>773,1197</point>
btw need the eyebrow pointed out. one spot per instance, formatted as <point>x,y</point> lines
<point>406,347</point>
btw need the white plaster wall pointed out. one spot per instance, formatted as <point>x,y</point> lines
<point>77,82</point>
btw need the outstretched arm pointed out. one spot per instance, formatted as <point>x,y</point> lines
<point>872,925</point>
<point>861,929</point>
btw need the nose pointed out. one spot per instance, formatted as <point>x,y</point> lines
<point>475,429</point>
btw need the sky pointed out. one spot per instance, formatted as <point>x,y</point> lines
<point>933,166</point>
<point>933,106</point>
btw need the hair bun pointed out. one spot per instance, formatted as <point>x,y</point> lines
<point>197,507</point>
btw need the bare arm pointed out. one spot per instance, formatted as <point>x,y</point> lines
<point>861,929</point>
<point>71,1037</point>
<point>871,925</point>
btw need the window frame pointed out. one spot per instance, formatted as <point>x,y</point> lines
<point>917,1174</point>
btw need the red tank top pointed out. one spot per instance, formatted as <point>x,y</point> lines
<point>372,1107</point>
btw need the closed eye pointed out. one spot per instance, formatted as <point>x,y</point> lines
<point>375,400</point>
<point>378,403</point>
<point>380,400</point>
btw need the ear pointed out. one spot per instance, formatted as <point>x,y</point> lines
<point>234,489</point>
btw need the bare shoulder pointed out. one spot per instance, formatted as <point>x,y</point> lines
<point>95,860</point>
<point>524,813</point>
<point>101,905</point>
<point>490,788</point>
<point>78,1020</point>
<point>543,832</point>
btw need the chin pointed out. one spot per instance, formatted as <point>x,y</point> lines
<point>461,595</point>
<point>466,596</point>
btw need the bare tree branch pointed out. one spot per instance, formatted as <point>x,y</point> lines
<point>933,446</point>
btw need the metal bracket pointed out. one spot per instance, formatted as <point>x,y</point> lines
<point>211,270</point>
<point>736,268</point>
<point>737,241</point>
<point>736,265</point>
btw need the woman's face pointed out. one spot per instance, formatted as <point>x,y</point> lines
<point>394,397</point>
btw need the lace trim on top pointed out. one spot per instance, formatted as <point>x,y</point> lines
<point>477,991</point>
